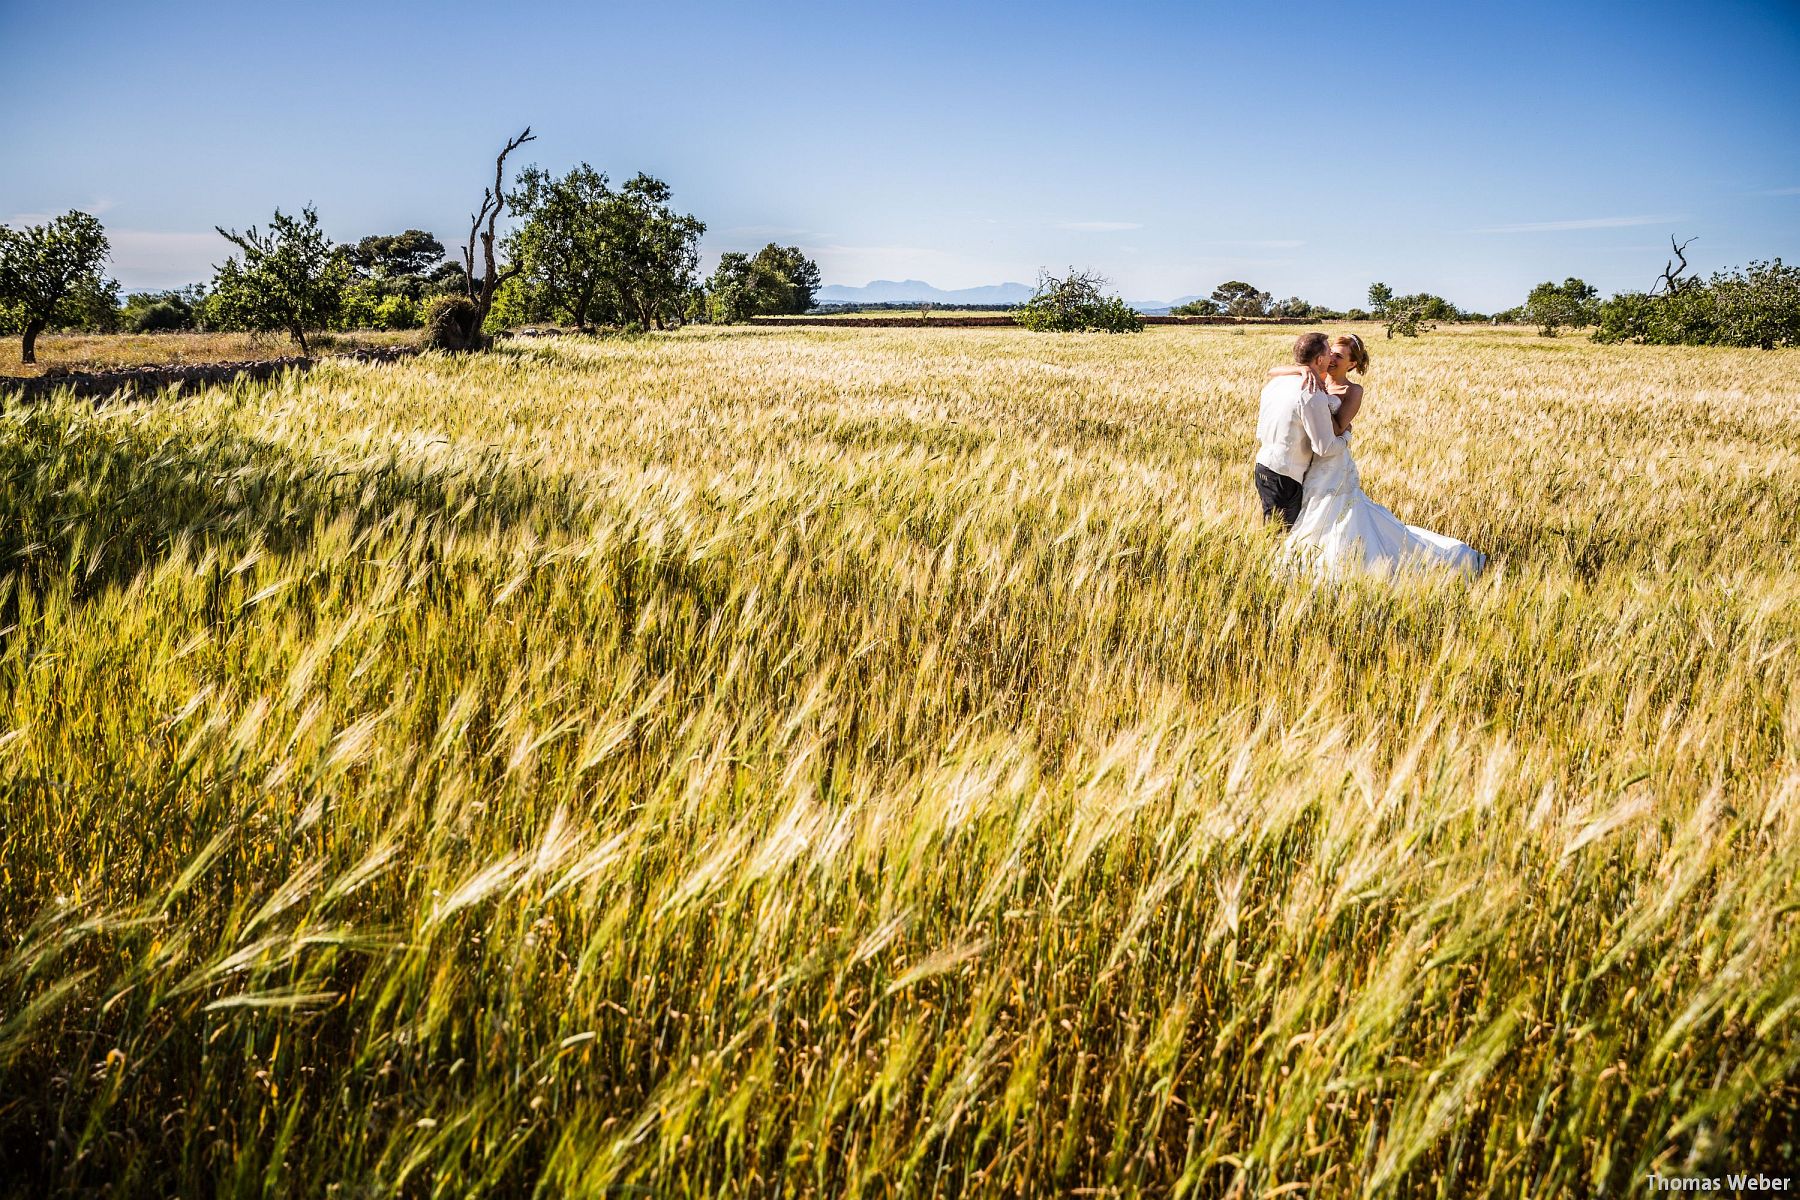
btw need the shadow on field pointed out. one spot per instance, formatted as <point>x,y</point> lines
<point>94,502</point>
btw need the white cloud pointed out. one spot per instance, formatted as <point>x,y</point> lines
<point>1585,223</point>
<point>1099,226</point>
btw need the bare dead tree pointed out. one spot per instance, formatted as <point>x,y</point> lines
<point>470,318</point>
<point>1671,281</point>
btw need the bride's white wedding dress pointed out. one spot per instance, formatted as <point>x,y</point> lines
<point>1341,530</point>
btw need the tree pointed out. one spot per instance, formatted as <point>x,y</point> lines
<point>1074,303</point>
<point>561,247</point>
<point>291,278</point>
<point>460,326</point>
<point>1239,299</point>
<point>651,253</point>
<point>1551,306</point>
<point>773,281</point>
<point>1409,315</point>
<point>401,263</point>
<point>50,273</point>
<point>731,293</point>
<point>786,279</point>
<point>1196,308</point>
<point>1406,316</point>
<point>1757,306</point>
<point>1294,306</point>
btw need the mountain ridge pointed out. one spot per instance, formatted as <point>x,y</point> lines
<point>917,291</point>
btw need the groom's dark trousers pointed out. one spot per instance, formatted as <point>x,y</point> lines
<point>1280,495</point>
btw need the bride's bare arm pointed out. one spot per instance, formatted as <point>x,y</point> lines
<point>1287,369</point>
<point>1347,408</point>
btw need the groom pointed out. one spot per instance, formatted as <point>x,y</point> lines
<point>1294,427</point>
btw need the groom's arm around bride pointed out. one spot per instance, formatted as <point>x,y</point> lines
<point>1293,427</point>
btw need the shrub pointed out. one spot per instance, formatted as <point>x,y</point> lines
<point>453,323</point>
<point>1075,303</point>
<point>1573,303</point>
<point>162,316</point>
<point>398,312</point>
<point>1757,306</point>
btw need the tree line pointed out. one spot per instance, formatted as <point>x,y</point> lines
<point>578,251</point>
<point>1753,306</point>
<point>583,252</point>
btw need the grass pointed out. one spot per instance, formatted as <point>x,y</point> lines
<point>887,763</point>
<point>107,352</point>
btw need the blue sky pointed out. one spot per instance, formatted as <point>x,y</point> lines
<point>1462,149</point>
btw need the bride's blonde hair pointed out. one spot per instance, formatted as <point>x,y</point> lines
<point>1359,353</point>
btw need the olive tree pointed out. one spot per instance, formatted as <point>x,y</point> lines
<point>290,279</point>
<point>50,274</point>
<point>560,249</point>
<point>1572,304</point>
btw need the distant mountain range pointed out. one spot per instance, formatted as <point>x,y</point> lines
<point>917,291</point>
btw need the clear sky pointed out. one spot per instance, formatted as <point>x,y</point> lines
<point>1466,149</point>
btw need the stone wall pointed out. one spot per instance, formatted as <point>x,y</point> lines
<point>182,377</point>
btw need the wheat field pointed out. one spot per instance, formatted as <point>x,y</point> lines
<point>888,763</point>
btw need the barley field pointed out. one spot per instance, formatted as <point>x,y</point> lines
<point>888,763</point>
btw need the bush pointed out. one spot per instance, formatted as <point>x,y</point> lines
<point>1076,303</point>
<point>1550,306</point>
<point>398,312</point>
<point>1408,316</point>
<point>160,317</point>
<point>452,323</point>
<point>1758,306</point>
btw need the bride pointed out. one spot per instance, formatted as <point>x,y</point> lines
<point>1340,528</point>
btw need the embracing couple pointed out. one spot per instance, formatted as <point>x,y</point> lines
<point>1306,476</point>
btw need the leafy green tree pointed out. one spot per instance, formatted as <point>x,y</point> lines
<point>1406,316</point>
<point>1756,306</point>
<point>1239,299</point>
<point>773,281</point>
<point>1412,314</point>
<point>1074,303</point>
<point>401,262</point>
<point>1572,304</point>
<point>786,280</point>
<point>562,245</point>
<point>1294,306</point>
<point>652,252</point>
<point>591,254</point>
<point>290,279</point>
<point>1196,308</point>
<point>51,274</point>
<point>731,293</point>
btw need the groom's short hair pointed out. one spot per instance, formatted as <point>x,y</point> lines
<point>1309,346</point>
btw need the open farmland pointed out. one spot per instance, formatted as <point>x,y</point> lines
<point>886,763</point>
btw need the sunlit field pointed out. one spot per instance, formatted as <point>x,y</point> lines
<point>888,763</point>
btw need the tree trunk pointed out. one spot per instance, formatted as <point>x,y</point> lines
<point>28,351</point>
<point>300,336</point>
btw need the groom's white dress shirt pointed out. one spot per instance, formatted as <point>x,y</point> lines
<point>1294,428</point>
